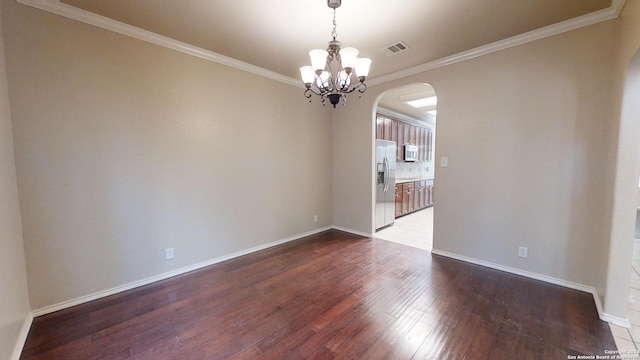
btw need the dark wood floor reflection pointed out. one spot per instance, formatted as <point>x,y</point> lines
<point>332,295</point>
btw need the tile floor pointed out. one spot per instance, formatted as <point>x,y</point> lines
<point>415,230</point>
<point>629,339</point>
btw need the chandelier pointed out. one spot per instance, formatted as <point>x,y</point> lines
<point>329,75</point>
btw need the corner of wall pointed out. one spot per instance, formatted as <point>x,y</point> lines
<point>22,338</point>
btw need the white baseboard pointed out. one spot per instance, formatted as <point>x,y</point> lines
<point>351,231</point>
<point>149,280</point>
<point>568,284</point>
<point>624,322</point>
<point>615,320</point>
<point>22,337</point>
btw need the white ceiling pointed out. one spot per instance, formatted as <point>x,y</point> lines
<point>395,100</point>
<point>277,35</point>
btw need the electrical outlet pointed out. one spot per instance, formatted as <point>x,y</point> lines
<point>444,161</point>
<point>523,252</point>
<point>315,218</point>
<point>168,254</point>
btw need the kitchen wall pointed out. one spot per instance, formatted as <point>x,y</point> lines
<point>527,137</point>
<point>124,148</point>
<point>15,310</point>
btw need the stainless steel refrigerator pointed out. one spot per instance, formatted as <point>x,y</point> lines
<point>385,183</point>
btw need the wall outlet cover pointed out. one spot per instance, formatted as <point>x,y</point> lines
<point>523,252</point>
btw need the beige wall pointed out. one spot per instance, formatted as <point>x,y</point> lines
<point>526,132</point>
<point>124,148</point>
<point>14,298</point>
<point>623,164</point>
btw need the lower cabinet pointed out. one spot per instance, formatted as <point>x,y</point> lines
<point>413,195</point>
<point>408,202</point>
<point>398,200</point>
<point>428,193</point>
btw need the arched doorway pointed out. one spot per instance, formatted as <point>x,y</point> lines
<point>404,169</point>
<point>623,286</point>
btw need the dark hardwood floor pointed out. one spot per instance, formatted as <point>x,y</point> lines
<point>331,295</point>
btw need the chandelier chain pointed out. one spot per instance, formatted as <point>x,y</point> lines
<point>334,33</point>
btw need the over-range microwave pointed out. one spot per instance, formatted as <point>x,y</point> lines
<point>410,152</point>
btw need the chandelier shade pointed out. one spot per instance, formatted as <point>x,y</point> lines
<point>330,74</point>
<point>348,56</point>
<point>318,58</point>
<point>362,67</point>
<point>307,73</point>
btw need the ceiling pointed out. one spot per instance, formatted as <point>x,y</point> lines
<point>277,35</point>
<point>396,99</point>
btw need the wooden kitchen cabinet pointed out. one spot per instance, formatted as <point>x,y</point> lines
<point>400,141</point>
<point>379,127</point>
<point>429,193</point>
<point>420,142</point>
<point>422,198</point>
<point>405,133</point>
<point>412,134</point>
<point>387,129</point>
<point>399,200</point>
<point>413,196</point>
<point>424,144</point>
<point>408,204</point>
<point>394,131</point>
<point>429,140</point>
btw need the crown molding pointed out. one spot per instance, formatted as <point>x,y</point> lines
<point>59,8</point>
<point>87,17</point>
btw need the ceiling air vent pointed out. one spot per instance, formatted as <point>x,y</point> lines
<point>395,48</point>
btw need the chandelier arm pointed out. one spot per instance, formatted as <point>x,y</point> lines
<point>321,91</point>
<point>361,87</point>
<point>310,91</point>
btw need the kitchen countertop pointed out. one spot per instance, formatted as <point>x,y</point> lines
<point>411,180</point>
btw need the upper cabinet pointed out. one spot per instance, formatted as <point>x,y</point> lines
<point>400,140</point>
<point>386,129</point>
<point>405,133</point>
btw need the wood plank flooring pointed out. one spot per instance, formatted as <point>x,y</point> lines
<point>330,296</point>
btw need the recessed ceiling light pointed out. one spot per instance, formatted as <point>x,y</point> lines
<point>424,102</point>
<point>432,112</point>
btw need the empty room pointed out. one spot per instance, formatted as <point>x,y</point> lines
<point>211,179</point>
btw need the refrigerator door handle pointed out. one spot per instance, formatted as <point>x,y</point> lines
<point>386,174</point>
